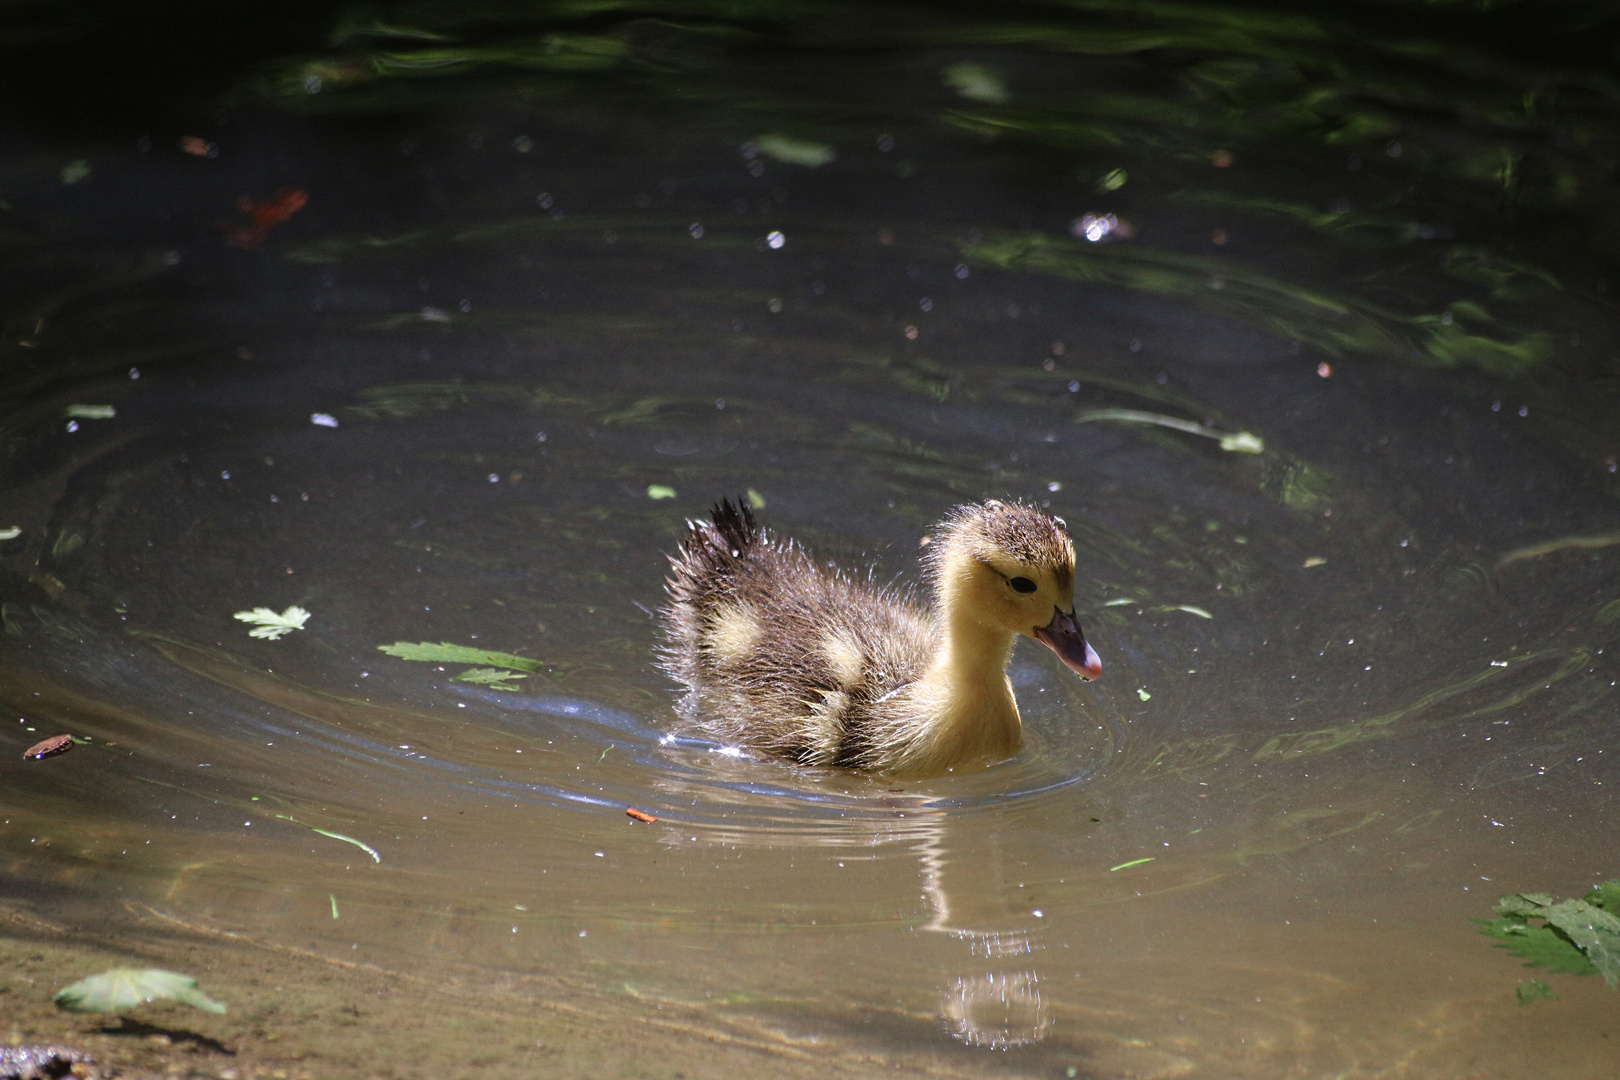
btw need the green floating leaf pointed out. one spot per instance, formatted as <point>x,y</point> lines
<point>446,653</point>
<point>125,988</point>
<point>791,151</point>
<point>91,412</point>
<point>1534,990</point>
<point>494,678</point>
<point>1595,931</point>
<point>660,491</point>
<point>272,626</point>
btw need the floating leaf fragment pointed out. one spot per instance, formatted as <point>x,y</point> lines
<point>494,678</point>
<point>1111,181</point>
<point>755,499</point>
<point>264,216</point>
<point>321,419</point>
<point>90,412</point>
<point>976,82</point>
<point>791,151</point>
<point>640,815</point>
<point>1239,442</point>
<point>1128,865</point>
<point>74,171</point>
<point>446,653</point>
<point>1567,543</point>
<point>367,848</point>
<point>12,533</point>
<point>1315,560</point>
<point>1142,693</point>
<point>272,626</point>
<point>1189,609</point>
<point>660,491</point>
<point>124,988</point>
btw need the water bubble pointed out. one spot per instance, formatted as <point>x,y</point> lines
<point>696,229</point>
<point>775,239</point>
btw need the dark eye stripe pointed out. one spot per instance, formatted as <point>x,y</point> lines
<point>1021,584</point>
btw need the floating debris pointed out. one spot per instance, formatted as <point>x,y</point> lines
<point>660,491</point>
<point>1128,865</point>
<point>12,533</point>
<point>1239,442</point>
<point>321,419</point>
<point>640,815</point>
<point>494,678</point>
<point>1567,543</point>
<point>75,171</point>
<point>55,746</point>
<point>755,499</point>
<point>1314,560</point>
<point>367,848</point>
<point>90,412</point>
<point>191,144</point>
<point>444,652</point>
<point>265,216</point>
<point>791,151</point>
<point>272,626</point>
<point>124,988</point>
<point>976,82</point>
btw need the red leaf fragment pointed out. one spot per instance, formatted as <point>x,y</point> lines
<point>640,815</point>
<point>265,216</point>
<point>51,747</point>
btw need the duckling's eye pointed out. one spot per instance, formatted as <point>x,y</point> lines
<point>1021,584</point>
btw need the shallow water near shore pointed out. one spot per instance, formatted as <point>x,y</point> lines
<point>1329,415</point>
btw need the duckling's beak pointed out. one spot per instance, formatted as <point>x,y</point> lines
<point>1063,636</point>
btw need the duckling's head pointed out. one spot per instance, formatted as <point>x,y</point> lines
<point>1010,565</point>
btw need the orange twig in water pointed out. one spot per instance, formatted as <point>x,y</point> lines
<point>265,216</point>
<point>639,815</point>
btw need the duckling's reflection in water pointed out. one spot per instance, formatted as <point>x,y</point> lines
<point>997,1008</point>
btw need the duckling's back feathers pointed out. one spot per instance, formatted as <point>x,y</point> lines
<point>779,653</point>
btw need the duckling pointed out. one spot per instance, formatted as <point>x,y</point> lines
<point>781,655</point>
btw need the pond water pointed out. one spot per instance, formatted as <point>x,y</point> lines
<point>1301,321</point>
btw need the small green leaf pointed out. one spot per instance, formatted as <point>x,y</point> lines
<point>1143,694</point>
<point>446,653</point>
<point>791,151</point>
<point>272,626</point>
<point>1535,990</point>
<point>660,491</point>
<point>74,171</point>
<point>755,499</point>
<point>91,412</point>
<point>1111,181</point>
<point>494,678</point>
<point>125,988</point>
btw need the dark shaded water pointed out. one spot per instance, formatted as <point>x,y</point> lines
<point>1329,403</point>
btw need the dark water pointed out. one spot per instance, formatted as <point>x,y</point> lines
<point>1329,403</point>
